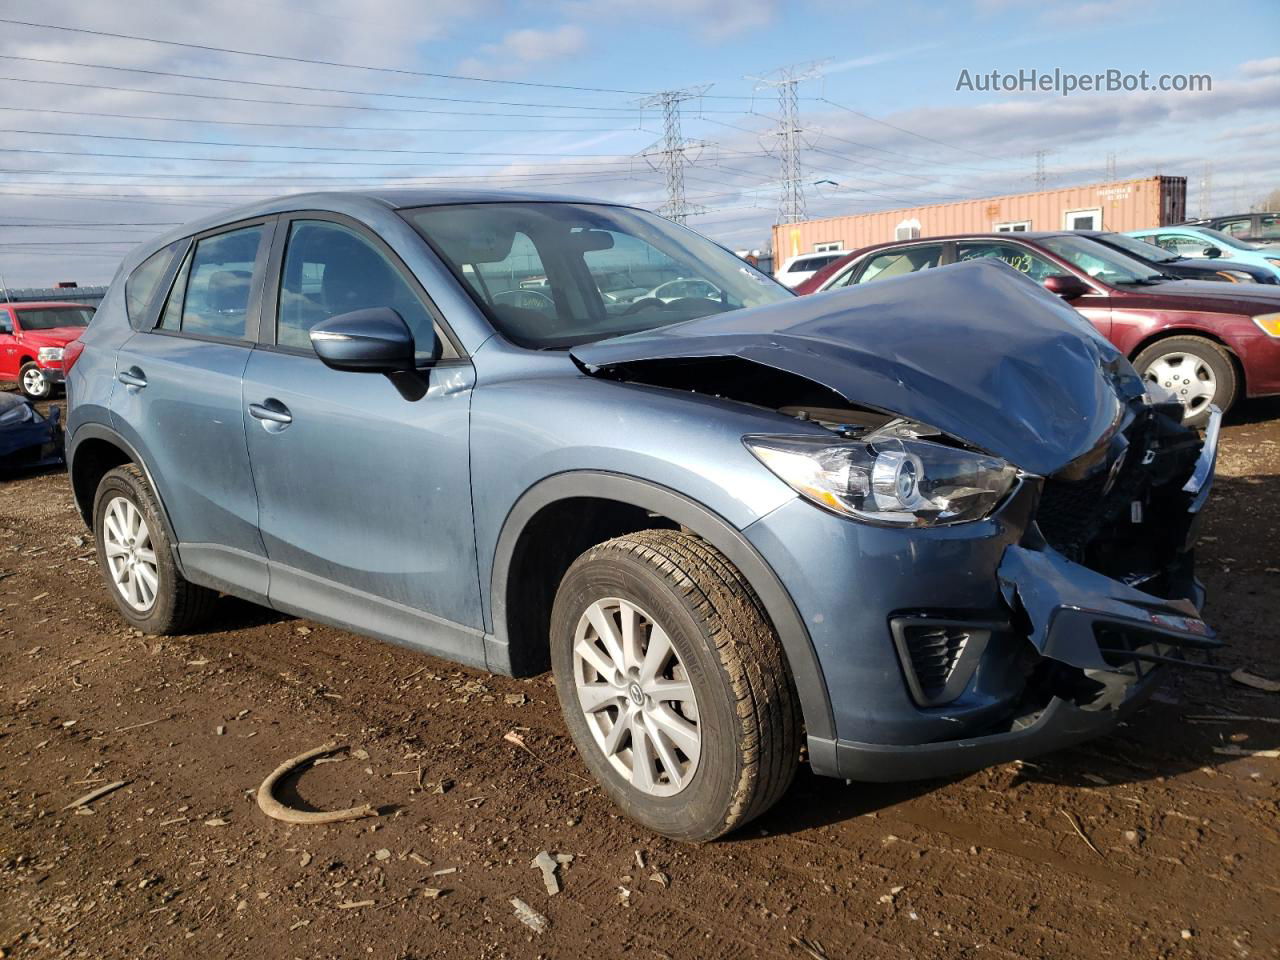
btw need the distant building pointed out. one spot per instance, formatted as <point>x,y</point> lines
<point>1121,205</point>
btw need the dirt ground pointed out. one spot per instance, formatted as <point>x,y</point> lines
<point>1150,843</point>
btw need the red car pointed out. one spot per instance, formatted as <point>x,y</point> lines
<point>1204,343</point>
<point>32,338</point>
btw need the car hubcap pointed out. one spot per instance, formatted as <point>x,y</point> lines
<point>636,697</point>
<point>34,383</point>
<point>131,558</point>
<point>1186,378</point>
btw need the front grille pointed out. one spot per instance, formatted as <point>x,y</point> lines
<point>1071,512</point>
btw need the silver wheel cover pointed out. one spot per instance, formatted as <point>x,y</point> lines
<point>35,382</point>
<point>1185,378</point>
<point>131,558</point>
<point>636,697</point>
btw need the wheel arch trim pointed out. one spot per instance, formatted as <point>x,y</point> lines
<point>802,658</point>
<point>98,431</point>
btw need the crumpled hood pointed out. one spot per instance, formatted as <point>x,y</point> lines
<point>975,349</point>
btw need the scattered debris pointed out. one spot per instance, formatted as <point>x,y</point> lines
<point>273,808</point>
<point>512,737</point>
<point>355,904</point>
<point>530,917</point>
<point>444,872</point>
<point>93,795</point>
<point>892,894</point>
<point>306,858</point>
<point>515,699</point>
<point>219,730</point>
<point>640,860</point>
<point>811,947</point>
<point>1248,679</point>
<point>434,893</point>
<point>135,726</point>
<point>660,878</point>
<point>1234,751</point>
<point>547,863</point>
<point>216,822</point>
<point>1075,825</point>
<point>383,854</point>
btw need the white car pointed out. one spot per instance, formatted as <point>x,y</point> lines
<point>800,268</point>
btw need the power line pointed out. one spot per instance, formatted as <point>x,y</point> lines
<point>301,103</point>
<point>303,87</point>
<point>295,146</point>
<point>891,126</point>
<point>315,126</point>
<point>285,58</point>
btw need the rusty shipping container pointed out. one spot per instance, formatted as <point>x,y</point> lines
<point>1122,205</point>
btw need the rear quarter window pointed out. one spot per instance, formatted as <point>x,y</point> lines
<point>141,287</point>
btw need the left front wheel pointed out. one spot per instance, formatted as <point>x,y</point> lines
<point>136,558</point>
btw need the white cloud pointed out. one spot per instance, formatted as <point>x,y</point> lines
<point>1260,68</point>
<point>714,20</point>
<point>522,48</point>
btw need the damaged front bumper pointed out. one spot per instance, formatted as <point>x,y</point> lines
<point>1076,648</point>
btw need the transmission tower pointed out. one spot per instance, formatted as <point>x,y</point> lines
<point>1111,167</point>
<point>1039,177</point>
<point>672,153</point>
<point>791,206</point>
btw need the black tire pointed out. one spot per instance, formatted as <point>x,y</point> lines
<point>31,369</point>
<point>1212,355</point>
<point>178,604</point>
<point>748,713</point>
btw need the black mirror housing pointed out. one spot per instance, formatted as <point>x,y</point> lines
<point>375,340</point>
<point>1213,253</point>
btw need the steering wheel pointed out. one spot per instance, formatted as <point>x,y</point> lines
<point>526,300</point>
<point>644,303</point>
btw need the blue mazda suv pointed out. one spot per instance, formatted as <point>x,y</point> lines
<point>910,528</point>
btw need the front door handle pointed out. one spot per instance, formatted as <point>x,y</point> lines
<point>272,413</point>
<point>133,377</point>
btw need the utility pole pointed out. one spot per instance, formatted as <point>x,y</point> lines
<point>1206,190</point>
<point>672,151</point>
<point>791,205</point>
<point>1111,167</point>
<point>1039,177</point>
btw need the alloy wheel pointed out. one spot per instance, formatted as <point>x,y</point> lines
<point>1186,378</point>
<point>131,558</point>
<point>34,383</point>
<point>636,696</point>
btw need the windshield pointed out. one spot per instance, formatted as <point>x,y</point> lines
<point>47,318</point>
<point>1099,262</point>
<point>1227,240</point>
<point>555,275</point>
<point>1140,248</point>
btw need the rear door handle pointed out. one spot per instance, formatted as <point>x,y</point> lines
<point>271,411</point>
<point>133,377</point>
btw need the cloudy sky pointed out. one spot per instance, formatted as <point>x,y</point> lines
<point>108,136</point>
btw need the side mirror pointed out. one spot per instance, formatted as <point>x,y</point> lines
<point>1213,253</point>
<point>1066,286</point>
<point>375,340</point>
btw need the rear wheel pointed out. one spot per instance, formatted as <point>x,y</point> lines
<point>33,382</point>
<point>1192,370</point>
<point>136,557</point>
<point>673,684</point>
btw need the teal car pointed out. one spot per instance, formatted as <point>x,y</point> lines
<point>1191,241</point>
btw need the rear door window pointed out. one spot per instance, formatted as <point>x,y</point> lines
<point>1014,254</point>
<point>210,296</point>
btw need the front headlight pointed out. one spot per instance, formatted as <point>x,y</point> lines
<point>1268,323</point>
<point>48,354</point>
<point>889,476</point>
<point>1273,261</point>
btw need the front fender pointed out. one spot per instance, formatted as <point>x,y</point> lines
<point>710,526</point>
